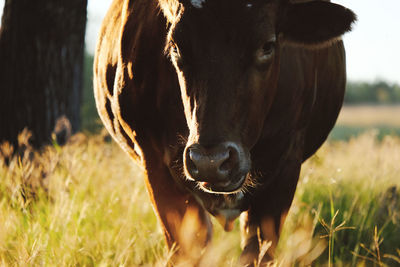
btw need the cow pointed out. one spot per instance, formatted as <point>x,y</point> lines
<point>221,101</point>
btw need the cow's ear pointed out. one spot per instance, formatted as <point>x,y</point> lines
<point>315,23</point>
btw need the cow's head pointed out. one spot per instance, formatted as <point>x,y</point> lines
<point>226,54</point>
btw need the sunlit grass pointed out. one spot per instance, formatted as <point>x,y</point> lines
<point>85,204</point>
<point>93,211</point>
<point>360,180</point>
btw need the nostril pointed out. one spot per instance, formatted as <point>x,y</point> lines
<point>190,163</point>
<point>231,161</point>
<point>193,156</point>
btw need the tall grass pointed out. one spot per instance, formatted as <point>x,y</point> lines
<point>356,186</point>
<point>92,209</point>
<point>85,204</point>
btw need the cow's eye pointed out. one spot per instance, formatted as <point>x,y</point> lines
<point>265,52</point>
<point>175,55</point>
<point>174,49</point>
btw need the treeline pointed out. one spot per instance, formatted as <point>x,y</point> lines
<point>378,92</point>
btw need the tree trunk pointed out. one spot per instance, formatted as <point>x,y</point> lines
<point>41,66</point>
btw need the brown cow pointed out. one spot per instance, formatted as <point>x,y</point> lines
<point>221,101</point>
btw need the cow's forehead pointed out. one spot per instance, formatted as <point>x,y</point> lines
<point>232,11</point>
<point>215,21</point>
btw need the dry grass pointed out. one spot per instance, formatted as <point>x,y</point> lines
<point>85,204</point>
<point>353,187</point>
<point>370,116</point>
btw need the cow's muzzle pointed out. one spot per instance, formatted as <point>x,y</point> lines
<point>221,168</point>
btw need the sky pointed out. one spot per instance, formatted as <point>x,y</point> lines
<point>372,48</point>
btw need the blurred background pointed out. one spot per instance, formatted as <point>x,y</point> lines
<point>373,92</point>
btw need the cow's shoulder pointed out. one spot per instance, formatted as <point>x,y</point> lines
<point>113,69</point>
<point>136,88</point>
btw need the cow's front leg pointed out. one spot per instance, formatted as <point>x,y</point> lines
<point>262,223</point>
<point>186,225</point>
<point>260,237</point>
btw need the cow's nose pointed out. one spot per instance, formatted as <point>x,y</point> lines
<point>210,165</point>
<point>215,167</point>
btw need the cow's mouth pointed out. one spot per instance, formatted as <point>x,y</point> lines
<point>227,187</point>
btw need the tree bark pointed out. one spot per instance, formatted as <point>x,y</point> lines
<point>41,66</point>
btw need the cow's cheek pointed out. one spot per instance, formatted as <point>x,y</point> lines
<point>260,98</point>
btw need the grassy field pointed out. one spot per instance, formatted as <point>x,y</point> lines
<point>85,204</point>
<point>367,115</point>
